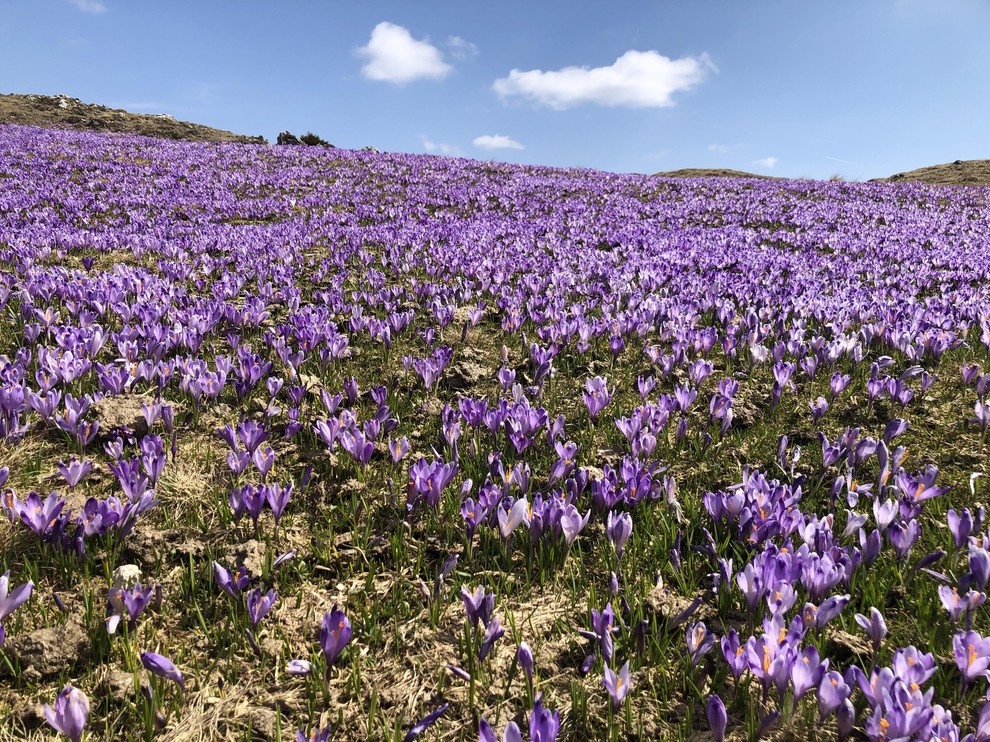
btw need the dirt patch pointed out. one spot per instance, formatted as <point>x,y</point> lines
<point>122,411</point>
<point>49,651</point>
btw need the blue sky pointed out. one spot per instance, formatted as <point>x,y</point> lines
<point>859,88</point>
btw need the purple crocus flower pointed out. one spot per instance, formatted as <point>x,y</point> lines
<point>603,623</point>
<point>734,653</point>
<point>959,605</point>
<point>509,520</point>
<point>70,714</point>
<point>163,667</point>
<point>425,723</point>
<point>919,488</point>
<point>874,626</point>
<point>832,692</point>
<point>315,735</point>
<point>617,684</point>
<point>40,515</point>
<point>512,732</point>
<point>619,528</point>
<point>717,717</point>
<point>232,584</point>
<point>130,601</point>
<point>912,666</point>
<point>807,671</point>
<point>493,632</point>
<point>845,719</point>
<point>478,604</point>
<point>979,567</point>
<point>571,523</point>
<point>543,724</point>
<point>596,396</point>
<point>699,641</point>
<point>259,604</point>
<point>278,498</point>
<point>960,526</point>
<point>870,545</point>
<point>982,418</point>
<point>11,601</point>
<point>357,445</point>
<point>264,460</point>
<point>972,653</point>
<point>828,610</point>
<point>75,471</point>
<point>819,407</point>
<point>398,448</point>
<point>335,633</point>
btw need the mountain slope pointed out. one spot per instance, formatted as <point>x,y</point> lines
<point>63,112</point>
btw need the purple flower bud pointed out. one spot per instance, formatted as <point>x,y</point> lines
<point>619,528</point>
<point>459,672</point>
<point>299,667</point>
<point>259,604</point>
<point>423,724</point>
<point>525,656</point>
<point>335,633</point>
<point>875,627</point>
<point>493,632</point>
<point>163,667</point>
<point>718,719</point>
<point>845,719</point>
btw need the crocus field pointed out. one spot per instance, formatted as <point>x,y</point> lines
<point>344,445</point>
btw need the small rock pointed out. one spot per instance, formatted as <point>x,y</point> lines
<point>126,576</point>
<point>251,554</point>
<point>51,650</point>
<point>264,723</point>
<point>594,473</point>
<point>312,383</point>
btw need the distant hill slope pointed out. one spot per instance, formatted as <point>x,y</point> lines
<point>63,112</point>
<point>959,173</point>
<point>704,172</point>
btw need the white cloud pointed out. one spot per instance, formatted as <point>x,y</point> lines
<point>767,162</point>
<point>496,141</point>
<point>444,149</point>
<point>718,148</point>
<point>395,56</point>
<point>93,7</point>
<point>634,80</point>
<point>461,48</point>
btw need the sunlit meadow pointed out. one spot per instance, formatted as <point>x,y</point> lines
<point>344,445</point>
